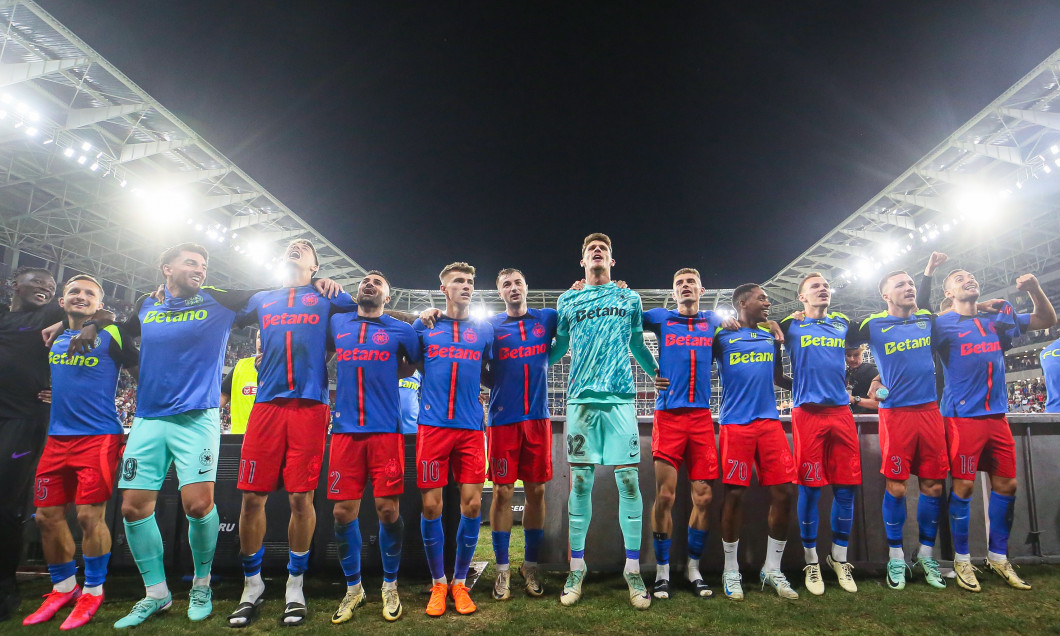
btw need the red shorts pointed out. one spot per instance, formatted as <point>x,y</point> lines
<point>980,443</point>
<point>760,444</point>
<point>522,450</point>
<point>826,445</point>
<point>686,435</point>
<point>78,469</point>
<point>438,448</point>
<point>285,434</point>
<point>913,441</point>
<point>356,457</point>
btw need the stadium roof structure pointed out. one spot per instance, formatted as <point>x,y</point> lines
<point>986,196</point>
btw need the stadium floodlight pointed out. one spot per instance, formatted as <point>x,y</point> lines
<point>977,205</point>
<point>82,159</point>
<point>69,152</point>
<point>31,132</point>
<point>864,268</point>
<point>478,312</point>
<point>94,166</point>
<point>86,146</point>
<point>1055,149</point>
<point>1046,169</point>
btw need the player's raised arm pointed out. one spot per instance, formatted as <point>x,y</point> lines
<point>779,378</point>
<point>1043,315</point>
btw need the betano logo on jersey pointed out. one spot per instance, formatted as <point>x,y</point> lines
<point>361,355</point>
<point>269,320</point>
<point>581,314</point>
<point>908,344</point>
<point>968,348</point>
<point>744,358</point>
<point>822,341</point>
<point>77,361</point>
<point>688,341</point>
<point>450,351</point>
<point>175,316</point>
<point>522,352</point>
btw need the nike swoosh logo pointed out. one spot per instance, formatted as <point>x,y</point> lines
<point>732,340</point>
<point>203,471</point>
<point>503,336</point>
<point>18,455</point>
<point>886,329</point>
<point>671,323</point>
<point>342,335</point>
<point>269,304</point>
<point>961,335</point>
<point>435,333</point>
<point>806,324</point>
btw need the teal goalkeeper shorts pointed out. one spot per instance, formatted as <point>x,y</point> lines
<point>190,440</point>
<point>604,434</point>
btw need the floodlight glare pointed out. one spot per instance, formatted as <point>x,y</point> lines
<point>31,132</point>
<point>69,152</point>
<point>94,167</point>
<point>86,146</point>
<point>82,159</point>
<point>1046,169</point>
<point>1055,149</point>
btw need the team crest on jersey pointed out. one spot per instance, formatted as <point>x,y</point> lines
<point>380,337</point>
<point>250,390</point>
<point>392,470</point>
<point>754,334</point>
<point>470,335</point>
<point>922,324</point>
<point>194,300</point>
<point>702,325</point>
<point>538,330</point>
<point>310,299</point>
<point>206,457</point>
<point>98,341</point>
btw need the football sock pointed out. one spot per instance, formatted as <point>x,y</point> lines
<point>630,509</point>
<point>926,551</point>
<point>696,540</point>
<point>692,570</point>
<point>294,593</point>
<point>96,571</point>
<point>391,537</point>
<point>661,543</point>
<point>927,518</point>
<point>533,537</point>
<point>960,510</point>
<point>730,554</point>
<point>145,544</point>
<point>842,520</point>
<point>466,542</point>
<point>501,540</point>
<point>434,546</point>
<point>64,576</point>
<point>893,522</point>
<point>580,506</point>
<point>253,586</point>
<point>809,519</point>
<point>774,552</point>
<point>999,511</point>
<point>348,542</point>
<point>202,537</point>
<point>297,562</point>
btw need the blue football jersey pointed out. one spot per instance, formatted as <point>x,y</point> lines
<point>519,366</point>
<point>293,324</point>
<point>686,352</point>
<point>453,351</point>
<point>1050,359</point>
<point>748,359</point>
<point>182,349</point>
<point>973,360</point>
<point>83,385</point>
<point>817,349</point>
<point>902,350</point>
<point>367,353</point>
<point>409,395</point>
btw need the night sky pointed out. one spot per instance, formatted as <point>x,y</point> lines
<point>727,137</point>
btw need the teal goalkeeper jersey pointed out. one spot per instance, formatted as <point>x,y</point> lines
<point>599,320</point>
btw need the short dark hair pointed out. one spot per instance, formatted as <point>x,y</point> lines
<point>889,275</point>
<point>167,256</point>
<point>376,272</point>
<point>596,236</point>
<point>741,292</point>
<point>808,277</point>
<point>22,271</point>
<point>946,280</point>
<point>312,248</point>
<point>84,277</point>
<point>508,271</point>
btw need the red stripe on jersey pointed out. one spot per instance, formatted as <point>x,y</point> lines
<point>989,383</point>
<point>452,390</point>
<point>360,396</point>
<point>364,332</point>
<point>456,331</point>
<point>692,376</point>
<point>982,332</point>
<point>690,320</point>
<point>290,298</point>
<point>526,387</point>
<point>290,364</point>
<point>522,331</point>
